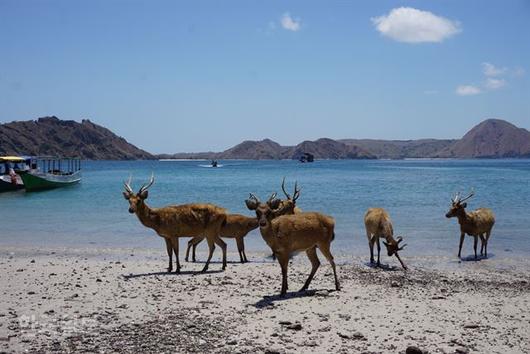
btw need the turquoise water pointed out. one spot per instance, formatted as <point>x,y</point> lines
<point>416,193</point>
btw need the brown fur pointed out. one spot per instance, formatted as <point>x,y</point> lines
<point>175,221</point>
<point>477,223</point>
<point>288,234</point>
<point>237,227</point>
<point>378,224</point>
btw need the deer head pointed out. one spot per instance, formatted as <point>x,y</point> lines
<point>458,205</point>
<point>289,204</point>
<point>135,200</point>
<point>393,247</point>
<point>267,211</point>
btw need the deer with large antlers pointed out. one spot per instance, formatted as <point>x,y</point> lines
<point>288,234</point>
<point>175,221</point>
<point>378,224</point>
<point>477,223</point>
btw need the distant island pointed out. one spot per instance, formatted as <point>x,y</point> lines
<point>51,136</point>
<point>493,138</point>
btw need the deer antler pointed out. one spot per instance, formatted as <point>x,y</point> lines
<point>456,198</point>
<point>253,197</point>
<point>283,189</point>
<point>469,196</point>
<point>149,184</point>
<point>297,190</point>
<point>127,185</point>
<point>272,197</point>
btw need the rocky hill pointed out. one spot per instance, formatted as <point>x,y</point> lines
<point>401,149</point>
<point>493,138</point>
<point>66,138</point>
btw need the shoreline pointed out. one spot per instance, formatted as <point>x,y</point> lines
<point>121,300</point>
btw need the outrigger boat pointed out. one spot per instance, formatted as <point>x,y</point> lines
<point>49,173</point>
<point>10,169</point>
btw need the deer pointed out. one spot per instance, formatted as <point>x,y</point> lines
<point>378,224</point>
<point>477,223</point>
<point>237,227</point>
<point>288,234</point>
<point>175,221</point>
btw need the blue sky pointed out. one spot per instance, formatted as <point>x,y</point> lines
<point>204,75</point>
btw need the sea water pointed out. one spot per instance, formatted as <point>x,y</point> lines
<point>416,193</point>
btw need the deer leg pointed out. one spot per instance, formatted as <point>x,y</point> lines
<point>222,244</point>
<point>241,249</point>
<point>475,245</point>
<point>486,244</point>
<point>193,250</point>
<point>198,240</point>
<point>211,248</point>
<point>169,249</point>
<point>283,259</point>
<point>175,243</point>
<point>324,248</point>
<point>315,263</point>
<point>378,252</point>
<point>371,244</point>
<point>482,243</point>
<point>462,235</point>
<point>190,244</point>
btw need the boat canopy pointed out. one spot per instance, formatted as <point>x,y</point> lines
<point>11,159</point>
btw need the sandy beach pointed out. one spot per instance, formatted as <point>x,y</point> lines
<point>116,300</point>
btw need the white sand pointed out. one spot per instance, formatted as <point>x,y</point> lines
<point>109,301</point>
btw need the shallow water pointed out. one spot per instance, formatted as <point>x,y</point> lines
<point>416,193</point>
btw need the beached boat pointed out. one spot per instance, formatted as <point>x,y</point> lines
<point>49,173</point>
<point>10,168</point>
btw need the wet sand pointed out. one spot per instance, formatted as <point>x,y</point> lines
<point>111,300</point>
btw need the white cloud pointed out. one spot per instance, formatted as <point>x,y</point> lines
<point>406,24</point>
<point>289,23</point>
<point>491,70</point>
<point>467,90</point>
<point>494,84</point>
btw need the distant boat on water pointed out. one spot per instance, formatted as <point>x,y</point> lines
<point>306,157</point>
<point>49,173</point>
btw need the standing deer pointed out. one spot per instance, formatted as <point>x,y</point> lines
<point>287,234</point>
<point>237,227</point>
<point>378,224</point>
<point>477,223</point>
<point>175,221</point>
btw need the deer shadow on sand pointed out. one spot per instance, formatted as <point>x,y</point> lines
<point>471,258</point>
<point>269,300</point>
<point>165,274</point>
<point>384,267</point>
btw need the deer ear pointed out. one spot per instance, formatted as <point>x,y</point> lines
<point>251,205</point>
<point>275,204</point>
<point>385,243</point>
<point>126,195</point>
<point>464,205</point>
<point>144,194</point>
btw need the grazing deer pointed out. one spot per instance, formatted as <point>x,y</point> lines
<point>236,226</point>
<point>175,221</point>
<point>477,223</point>
<point>287,234</point>
<point>378,224</point>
